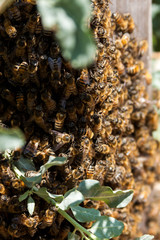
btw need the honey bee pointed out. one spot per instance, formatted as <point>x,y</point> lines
<point>147,76</point>
<point>55,66</point>
<point>72,114</point>
<point>14,231</point>
<point>90,171</point>
<point>63,233</point>
<point>142,48</point>
<point>104,149</point>
<point>31,24</point>
<point>3,53</point>
<point>112,141</point>
<point>120,21</point>
<point>122,42</point>
<point>18,184</point>
<point>133,69</point>
<point>83,81</point>
<point>39,118</point>
<point>14,13</point>
<point>110,167</point>
<point>152,119</point>
<point>131,24</point>
<point>10,30</point>
<point>20,101</point>
<point>97,124</point>
<point>33,68</point>
<point>31,100</point>
<point>3,190</point>
<point>86,145</point>
<point>7,115</point>
<point>119,175</point>
<point>8,95</point>
<point>23,72</point>
<point>30,149</point>
<point>48,218</point>
<point>49,102</point>
<point>70,86</point>
<point>3,229</point>
<point>59,121</point>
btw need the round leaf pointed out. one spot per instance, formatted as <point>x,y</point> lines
<point>48,197</point>
<point>11,139</point>
<point>85,214</point>
<point>72,199</point>
<point>53,161</point>
<point>30,205</point>
<point>107,227</point>
<point>93,190</point>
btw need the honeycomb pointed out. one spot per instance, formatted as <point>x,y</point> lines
<point>100,118</point>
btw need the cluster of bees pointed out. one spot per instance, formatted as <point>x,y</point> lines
<point>100,118</point>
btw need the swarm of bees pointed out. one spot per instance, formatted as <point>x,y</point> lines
<point>100,118</point>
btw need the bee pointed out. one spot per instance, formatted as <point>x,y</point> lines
<point>80,107</point>
<point>10,30</point>
<point>31,23</point>
<point>122,42</point>
<point>48,218</point>
<point>133,69</point>
<point>3,190</point>
<point>43,67</point>
<point>63,233</point>
<point>8,95</point>
<point>55,66</point>
<point>131,24</point>
<point>63,138</point>
<point>110,167</point>
<point>104,149</point>
<point>88,100</point>
<point>23,72</point>
<point>49,102</point>
<point>3,53</point>
<point>31,148</point>
<point>86,145</point>
<point>112,141</point>
<point>108,127</point>
<point>32,70</point>
<point>72,113</point>
<point>97,124</point>
<point>14,231</point>
<point>146,76</point>
<point>152,119</point>
<point>39,117</point>
<point>31,1</point>
<point>14,13</point>
<point>3,229</point>
<point>70,86</point>
<point>83,81</point>
<point>142,48</point>
<point>59,121</point>
<point>7,115</point>
<point>120,21</point>
<point>20,102</point>
<point>90,172</point>
<point>119,175</point>
<point>17,184</point>
<point>31,100</point>
<point>15,121</point>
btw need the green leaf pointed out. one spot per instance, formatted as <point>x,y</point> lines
<point>107,227</point>
<point>11,139</point>
<point>48,197</point>
<point>93,190</point>
<point>53,161</point>
<point>30,205</point>
<point>145,237</point>
<point>25,164</point>
<point>24,196</point>
<point>85,214</point>
<point>70,22</point>
<point>72,199</point>
<point>31,181</point>
<point>73,236</point>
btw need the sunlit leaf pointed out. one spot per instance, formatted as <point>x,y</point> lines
<point>31,181</point>
<point>53,161</point>
<point>48,197</point>
<point>107,227</point>
<point>85,214</point>
<point>72,199</point>
<point>24,196</point>
<point>93,190</point>
<point>145,237</point>
<point>73,236</point>
<point>11,139</point>
<point>30,205</point>
<point>70,22</point>
<point>25,164</point>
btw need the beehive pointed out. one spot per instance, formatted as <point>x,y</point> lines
<point>100,117</point>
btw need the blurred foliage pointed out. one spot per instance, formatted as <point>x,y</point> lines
<point>156,24</point>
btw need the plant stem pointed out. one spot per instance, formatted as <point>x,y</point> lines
<point>77,225</point>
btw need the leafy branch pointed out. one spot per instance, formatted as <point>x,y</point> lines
<point>103,227</point>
